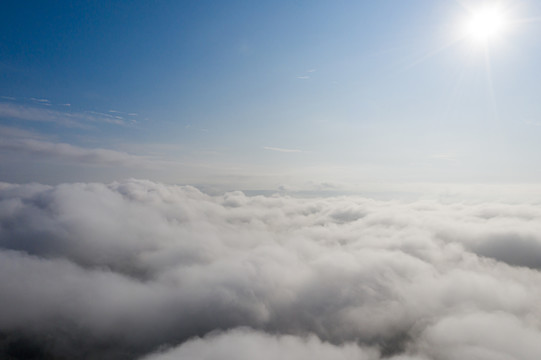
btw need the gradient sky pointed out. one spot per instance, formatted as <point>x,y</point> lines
<point>267,94</point>
<point>296,179</point>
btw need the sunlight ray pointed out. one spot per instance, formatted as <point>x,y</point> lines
<point>431,54</point>
<point>490,83</point>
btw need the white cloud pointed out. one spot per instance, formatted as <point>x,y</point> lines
<point>246,344</point>
<point>131,267</point>
<point>485,336</point>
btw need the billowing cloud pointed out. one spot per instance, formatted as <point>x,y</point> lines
<point>244,344</point>
<point>137,268</point>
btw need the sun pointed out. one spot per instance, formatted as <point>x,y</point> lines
<point>486,24</point>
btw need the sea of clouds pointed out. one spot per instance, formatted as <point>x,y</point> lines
<point>138,269</point>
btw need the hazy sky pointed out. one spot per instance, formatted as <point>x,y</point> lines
<point>264,94</point>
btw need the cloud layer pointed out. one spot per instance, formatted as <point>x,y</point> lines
<point>136,268</point>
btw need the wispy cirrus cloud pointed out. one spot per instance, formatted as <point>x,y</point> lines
<point>306,77</point>
<point>30,113</point>
<point>64,118</point>
<point>46,102</point>
<point>7,132</point>
<point>67,152</point>
<point>450,157</point>
<point>283,150</point>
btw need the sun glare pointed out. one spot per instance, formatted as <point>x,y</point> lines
<point>486,23</point>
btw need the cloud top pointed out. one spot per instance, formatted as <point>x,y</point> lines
<point>138,268</point>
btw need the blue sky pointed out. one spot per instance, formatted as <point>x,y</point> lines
<point>386,152</point>
<point>267,94</point>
